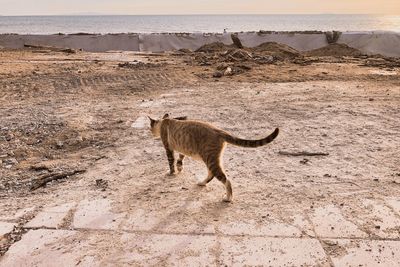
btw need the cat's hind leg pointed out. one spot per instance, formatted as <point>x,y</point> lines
<point>214,165</point>
<point>209,177</point>
<point>179,163</point>
<point>222,178</point>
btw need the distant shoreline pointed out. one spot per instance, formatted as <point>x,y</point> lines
<point>213,23</point>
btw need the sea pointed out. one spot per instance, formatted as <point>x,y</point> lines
<point>195,23</point>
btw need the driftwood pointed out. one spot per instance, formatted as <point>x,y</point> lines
<point>236,41</point>
<point>302,153</point>
<point>44,179</point>
<point>52,48</point>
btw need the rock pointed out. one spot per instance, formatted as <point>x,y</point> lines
<point>222,66</point>
<point>218,74</point>
<point>10,161</point>
<point>103,184</point>
<point>304,161</point>
<point>228,71</point>
<point>60,144</point>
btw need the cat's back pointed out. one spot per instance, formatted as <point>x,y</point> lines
<point>192,126</point>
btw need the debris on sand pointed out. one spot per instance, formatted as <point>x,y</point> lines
<point>137,65</point>
<point>185,51</point>
<point>381,62</point>
<point>335,50</point>
<point>238,55</point>
<point>240,60</point>
<point>102,184</point>
<point>214,48</point>
<point>303,153</point>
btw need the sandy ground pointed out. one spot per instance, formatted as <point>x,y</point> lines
<point>64,112</point>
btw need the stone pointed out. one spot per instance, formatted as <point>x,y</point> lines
<point>141,122</point>
<point>218,74</point>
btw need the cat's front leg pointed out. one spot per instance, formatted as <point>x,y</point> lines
<point>171,161</point>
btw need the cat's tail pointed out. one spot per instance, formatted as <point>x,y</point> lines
<point>250,143</point>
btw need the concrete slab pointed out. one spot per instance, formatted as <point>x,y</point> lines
<point>170,221</point>
<point>366,253</point>
<point>96,214</point>
<point>40,248</point>
<point>380,220</point>
<point>253,228</point>
<point>394,203</point>
<point>167,250</point>
<point>45,247</point>
<point>17,215</point>
<point>51,217</point>
<point>329,222</point>
<point>267,251</point>
<point>6,228</point>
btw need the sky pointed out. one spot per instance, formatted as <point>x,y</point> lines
<point>149,7</point>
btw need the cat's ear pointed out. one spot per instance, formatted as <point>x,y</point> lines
<point>183,118</point>
<point>151,121</point>
<point>166,116</point>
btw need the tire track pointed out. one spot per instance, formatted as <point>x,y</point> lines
<point>97,83</point>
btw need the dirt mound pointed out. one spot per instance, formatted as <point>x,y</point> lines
<point>335,50</point>
<point>214,47</point>
<point>277,50</point>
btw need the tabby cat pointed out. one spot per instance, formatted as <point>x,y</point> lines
<point>201,141</point>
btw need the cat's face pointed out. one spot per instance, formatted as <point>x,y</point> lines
<point>155,126</point>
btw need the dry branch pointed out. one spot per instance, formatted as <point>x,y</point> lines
<point>44,179</point>
<point>303,153</point>
<point>236,41</point>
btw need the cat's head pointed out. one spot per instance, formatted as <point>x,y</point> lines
<point>155,125</point>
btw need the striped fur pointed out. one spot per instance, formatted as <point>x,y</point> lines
<point>201,141</point>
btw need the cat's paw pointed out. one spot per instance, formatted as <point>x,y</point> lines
<point>227,199</point>
<point>170,174</point>
<point>179,168</point>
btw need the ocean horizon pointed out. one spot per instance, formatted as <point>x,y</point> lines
<point>103,24</point>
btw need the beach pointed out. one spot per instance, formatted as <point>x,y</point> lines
<point>82,182</point>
